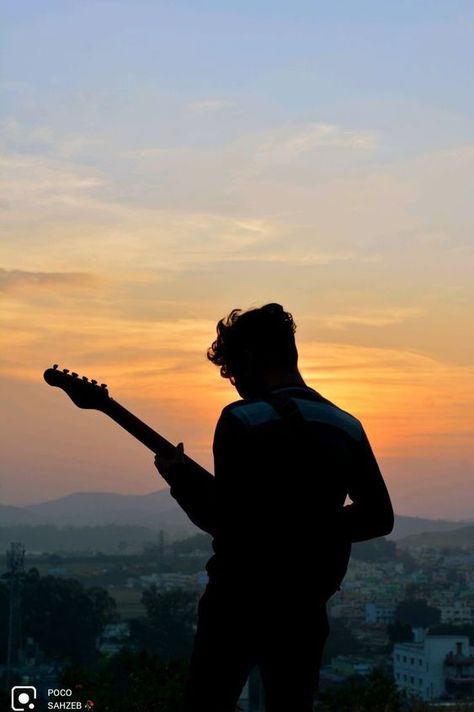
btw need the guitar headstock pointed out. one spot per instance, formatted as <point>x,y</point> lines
<point>83,392</point>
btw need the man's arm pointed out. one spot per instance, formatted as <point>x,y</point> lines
<point>192,487</point>
<point>233,463</point>
<point>370,515</point>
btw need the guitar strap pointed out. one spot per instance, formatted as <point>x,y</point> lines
<point>291,415</point>
<point>287,410</point>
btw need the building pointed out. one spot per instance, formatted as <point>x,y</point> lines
<point>460,675</point>
<point>425,667</point>
<point>347,666</point>
<point>352,612</point>
<point>379,613</point>
<point>459,612</point>
<point>113,637</point>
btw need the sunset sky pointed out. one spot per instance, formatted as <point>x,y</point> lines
<point>165,162</point>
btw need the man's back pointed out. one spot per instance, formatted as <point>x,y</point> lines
<point>284,465</point>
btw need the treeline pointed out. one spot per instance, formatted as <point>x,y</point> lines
<point>376,693</point>
<point>119,539</point>
<point>110,538</point>
<point>63,617</point>
<point>65,620</point>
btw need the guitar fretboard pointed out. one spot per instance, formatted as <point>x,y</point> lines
<point>146,435</point>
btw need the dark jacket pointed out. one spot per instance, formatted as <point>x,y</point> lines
<point>284,465</point>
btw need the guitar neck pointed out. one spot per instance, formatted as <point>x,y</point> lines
<point>146,435</point>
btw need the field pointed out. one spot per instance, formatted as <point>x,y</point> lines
<point>129,603</point>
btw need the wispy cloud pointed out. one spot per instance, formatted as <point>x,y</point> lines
<point>41,183</point>
<point>372,317</point>
<point>44,139</point>
<point>288,144</point>
<point>298,257</point>
<point>16,280</point>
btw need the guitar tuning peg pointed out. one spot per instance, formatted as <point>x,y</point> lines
<point>103,385</point>
<point>84,378</point>
<point>55,365</point>
<point>65,370</point>
<point>94,383</point>
<point>74,375</point>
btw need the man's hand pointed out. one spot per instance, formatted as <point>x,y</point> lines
<point>169,466</point>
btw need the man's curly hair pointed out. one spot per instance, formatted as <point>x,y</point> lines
<point>267,332</point>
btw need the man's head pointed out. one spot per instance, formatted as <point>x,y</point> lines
<point>255,348</point>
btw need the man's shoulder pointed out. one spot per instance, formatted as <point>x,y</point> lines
<point>323,410</point>
<point>250,412</point>
<point>312,406</point>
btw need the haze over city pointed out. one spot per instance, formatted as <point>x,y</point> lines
<point>167,162</point>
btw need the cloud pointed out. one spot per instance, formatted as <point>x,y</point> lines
<point>42,139</point>
<point>41,184</point>
<point>287,145</point>
<point>16,280</point>
<point>405,399</point>
<point>372,317</point>
<point>349,246</point>
<point>150,358</point>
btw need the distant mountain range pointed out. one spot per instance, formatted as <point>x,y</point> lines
<point>413,526</point>
<point>158,510</point>
<point>457,538</point>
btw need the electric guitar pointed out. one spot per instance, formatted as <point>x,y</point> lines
<point>197,497</point>
<point>91,395</point>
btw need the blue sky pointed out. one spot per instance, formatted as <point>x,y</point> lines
<point>287,60</point>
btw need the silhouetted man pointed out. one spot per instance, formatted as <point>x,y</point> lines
<point>285,460</point>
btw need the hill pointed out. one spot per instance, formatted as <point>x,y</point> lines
<point>156,510</point>
<point>407,526</point>
<point>18,515</point>
<point>455,539</point>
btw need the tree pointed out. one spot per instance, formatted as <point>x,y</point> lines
<point>104,606</point>
<point>454,629</point>
<point>130,681</point>
<point>417,613</point>
<point>200,542</point>
<point>341,641</point>
<point>169,624</point>
<point>63,617</point>
<point>376,693</point>
<point>381,549</point>
<point>4,613</point>
<point>400,632</point>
